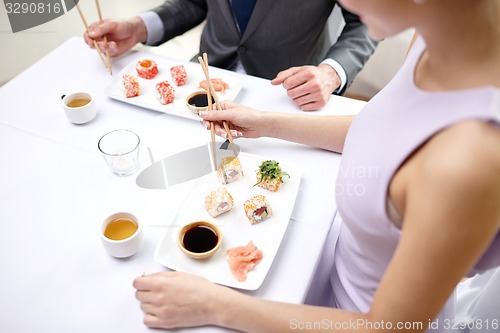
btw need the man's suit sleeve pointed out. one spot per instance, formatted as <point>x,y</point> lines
<point>179,16</point>
<point>353,47</point>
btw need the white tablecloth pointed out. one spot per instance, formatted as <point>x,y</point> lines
<point>55,190</point>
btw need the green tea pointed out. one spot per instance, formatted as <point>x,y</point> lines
<point>120,228</point>
<point>78,102</point>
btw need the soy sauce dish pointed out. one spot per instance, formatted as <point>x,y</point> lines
<point>198,101</point>
<point>200,239</point>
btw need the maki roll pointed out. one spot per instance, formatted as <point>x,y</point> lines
<point>179,75</point>
<point>165,93</point>
<point>147,69</point>
<point>218,202</point>
<point>131,86</point>
<point>230,170</point>
<point>270,176</point>
<point>257,209</point>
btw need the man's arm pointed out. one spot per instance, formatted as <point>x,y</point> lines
<point>353,47</point>
<point>179,16</point>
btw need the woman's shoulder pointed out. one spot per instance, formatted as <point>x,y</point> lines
<point>464,157</point>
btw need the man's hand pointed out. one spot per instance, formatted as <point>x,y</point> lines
<point>310,87</point>
<point>122,35</point>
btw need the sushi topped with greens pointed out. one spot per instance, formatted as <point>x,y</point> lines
<point>270,176</point>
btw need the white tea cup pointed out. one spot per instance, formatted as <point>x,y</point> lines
<point>79,107</point>
<point>121,235</point>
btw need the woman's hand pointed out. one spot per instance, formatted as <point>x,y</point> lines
<point>175,299</point>
<point>122,35</point>
<point>242,121</point>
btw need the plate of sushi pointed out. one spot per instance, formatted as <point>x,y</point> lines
<point>250,199</point>
<point>162,85</point>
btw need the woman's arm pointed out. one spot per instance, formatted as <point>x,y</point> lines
<point>174,299</point>
<point>451,190</point>
<point>327,132</point>
<point>449,199</point>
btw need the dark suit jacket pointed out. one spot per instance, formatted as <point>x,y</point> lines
<point>279,35</point>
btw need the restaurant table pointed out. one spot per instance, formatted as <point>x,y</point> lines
<point>55,191</point>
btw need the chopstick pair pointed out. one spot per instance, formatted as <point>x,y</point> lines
<point>107,61</point>
<point>204,65</point>
<point>211,94</point>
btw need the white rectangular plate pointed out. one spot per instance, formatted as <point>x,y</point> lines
<point>235,227</point>
<point>147,98</point>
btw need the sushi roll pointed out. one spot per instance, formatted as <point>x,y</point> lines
<point>218,202</point>
<point>230,170</point>
<point>270,176</point>
<point>147,69</point>
<point>131,86</point>
<point>179,75</point>
<point>165,93</point>
<point>257,209</point>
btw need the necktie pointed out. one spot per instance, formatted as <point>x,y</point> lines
<point>242,10</point>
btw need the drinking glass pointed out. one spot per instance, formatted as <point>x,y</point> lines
<point>120,149</point>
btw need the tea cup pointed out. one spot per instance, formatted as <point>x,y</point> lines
<point>121,235</point>
<point>79,107</point>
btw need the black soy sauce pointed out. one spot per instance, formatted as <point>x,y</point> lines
<point>200,100</point>
<point>200,239</point>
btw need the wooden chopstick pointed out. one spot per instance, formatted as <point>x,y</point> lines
<point>212,127</point>
<point>87,28</point>
<point>211,90</point>
<point>105,38</point>
<point>203,62</point>
<point>204,65</point>
<point>214,150</point>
